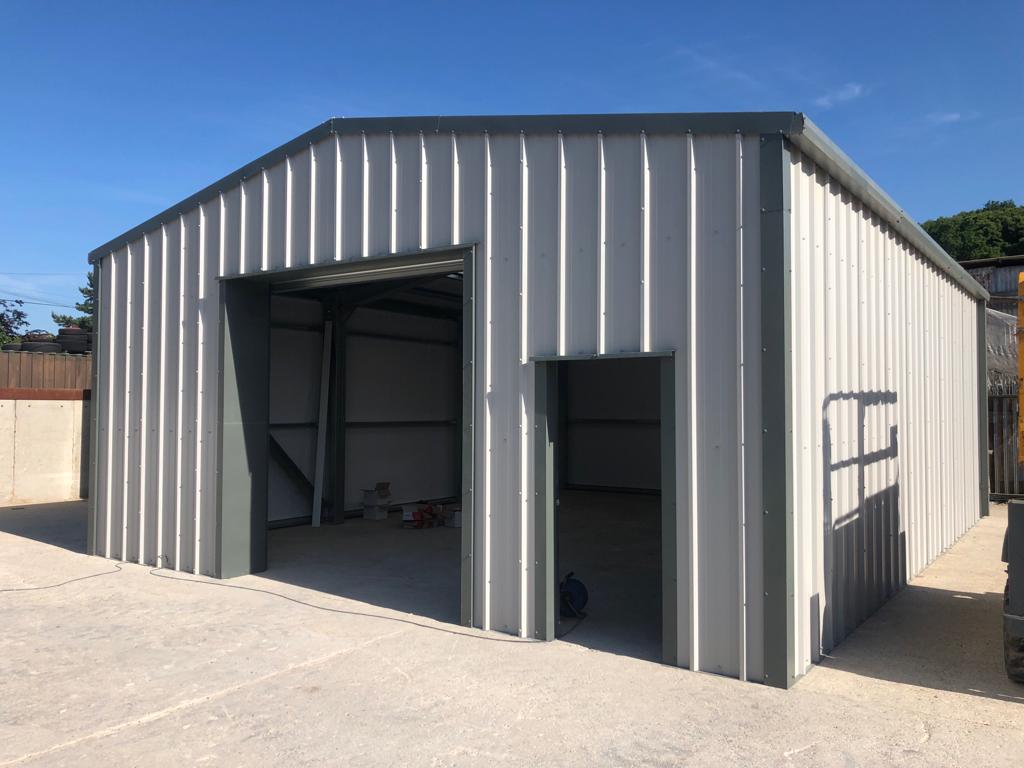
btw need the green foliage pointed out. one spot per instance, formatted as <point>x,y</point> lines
<point>86,306</point>
<point>989,232</point>
<point>12,319</point>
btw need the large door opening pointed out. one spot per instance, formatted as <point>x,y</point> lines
<point>607,461</point>
<point>365,492</point>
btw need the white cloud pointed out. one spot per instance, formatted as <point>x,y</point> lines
<point>940,118</point>
<point>848,92</point>
<point>703,61</point>
<point>946,118</point>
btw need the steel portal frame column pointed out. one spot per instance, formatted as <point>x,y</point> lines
<point>669,519</point>
<point>244,428</point>
<point>545,435</point>
<point>339,316</point>
<point>777,412</point>
<point>244,397</point>
<point>467,566</point>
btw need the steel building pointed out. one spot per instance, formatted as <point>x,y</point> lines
<point>720,309</point>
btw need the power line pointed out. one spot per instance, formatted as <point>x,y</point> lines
<point>44,274</point>
<point>37,303</point>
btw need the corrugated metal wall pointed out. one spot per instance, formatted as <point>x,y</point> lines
<point>588,243</point>
<point>885,433</point>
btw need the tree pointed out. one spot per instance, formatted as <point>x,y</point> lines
<point>87,305</point>
<point>995,230</point>
<point>12,319</point>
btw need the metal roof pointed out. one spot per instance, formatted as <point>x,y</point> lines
<point>804,134</point>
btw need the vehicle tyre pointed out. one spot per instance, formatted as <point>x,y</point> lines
<point>40,346</point>
<point>1013,644</point>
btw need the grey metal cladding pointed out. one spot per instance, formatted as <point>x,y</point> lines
<point>805,134</point>
<point>813,142</point>
<point>657,122</point>
<point>776,395</point>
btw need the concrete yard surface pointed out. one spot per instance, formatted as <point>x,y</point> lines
<point>134,668</point>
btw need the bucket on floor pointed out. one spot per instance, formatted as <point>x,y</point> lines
<point>375,513</point>
<point>377,501</point>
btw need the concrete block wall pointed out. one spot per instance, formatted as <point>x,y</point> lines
<point>43,450</point>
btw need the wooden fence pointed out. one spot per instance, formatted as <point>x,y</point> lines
<point>45,370</point>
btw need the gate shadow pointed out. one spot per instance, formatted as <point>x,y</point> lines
<point>865,548</point>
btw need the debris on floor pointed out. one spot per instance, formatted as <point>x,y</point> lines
<point>377,502</point>
<point>431,515</point>
<point>422,515</point>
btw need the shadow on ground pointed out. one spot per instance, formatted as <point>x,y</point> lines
<point>61,524</point>
<point>933,638</point>
<point>611,542</point>
<point>927,637</point>
<point>373,561</point>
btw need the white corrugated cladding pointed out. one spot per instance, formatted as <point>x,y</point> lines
<point>885,435</point>
<point>586,243</point>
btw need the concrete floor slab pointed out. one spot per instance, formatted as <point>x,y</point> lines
<point>132,668</point>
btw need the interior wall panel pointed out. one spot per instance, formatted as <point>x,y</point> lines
<point>613,424</point>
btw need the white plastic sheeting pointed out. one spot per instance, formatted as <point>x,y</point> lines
<point>885,430</point>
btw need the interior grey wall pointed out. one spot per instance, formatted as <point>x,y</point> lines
<point>612,423</point>
<point>295,353</point>
<point>392,384</point>
<point>402,371</point>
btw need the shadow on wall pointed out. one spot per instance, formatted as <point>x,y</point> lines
<point>83,453</point>
<point>865,549</point>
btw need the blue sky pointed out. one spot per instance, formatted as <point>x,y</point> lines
<point>110,112</point>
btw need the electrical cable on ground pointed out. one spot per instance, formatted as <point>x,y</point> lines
<point>398,619</point>
<point>343,611</point>
<point>117,569</point>
<point>579,620</point>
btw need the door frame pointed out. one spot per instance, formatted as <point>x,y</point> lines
<point>548,370</point>
<point>244,399</point>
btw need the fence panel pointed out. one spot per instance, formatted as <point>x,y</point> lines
<point>44,370</point>
<point>1006,477</point>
